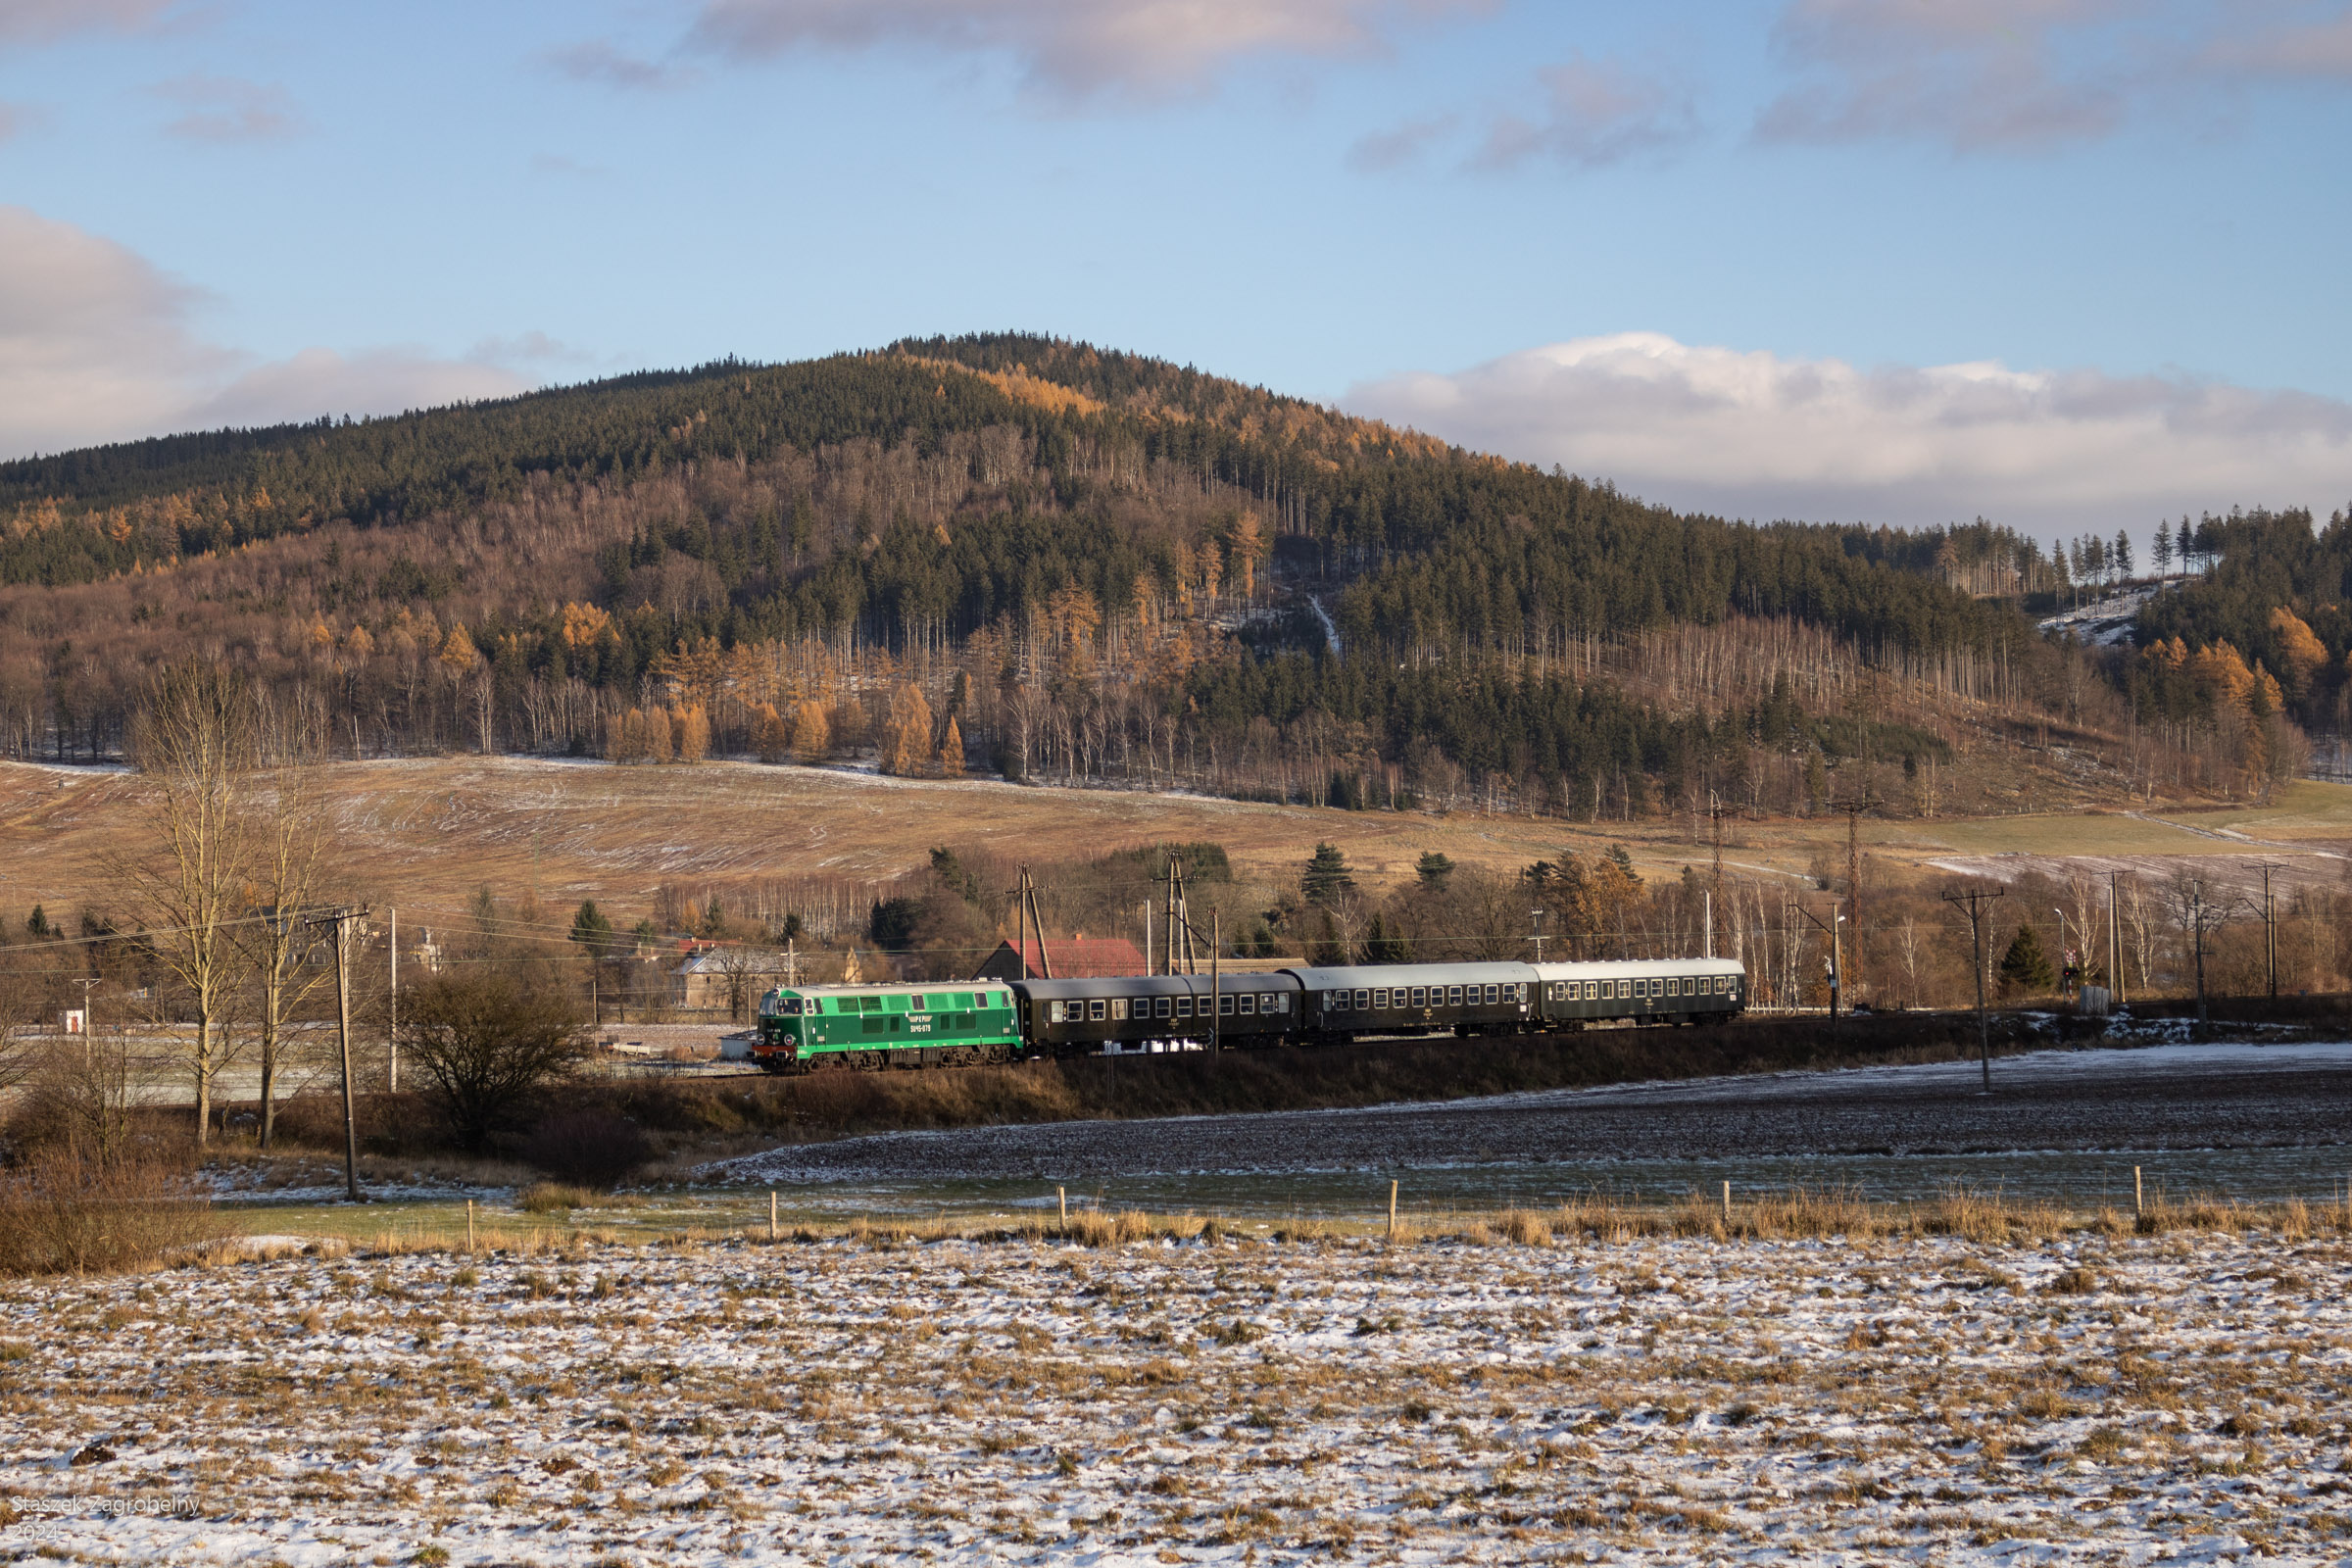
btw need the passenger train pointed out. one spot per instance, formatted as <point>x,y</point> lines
<point>970,1022</point>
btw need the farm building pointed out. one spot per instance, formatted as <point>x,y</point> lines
<point>1077,958</point>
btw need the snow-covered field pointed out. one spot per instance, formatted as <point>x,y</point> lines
<point>2086,1399</point>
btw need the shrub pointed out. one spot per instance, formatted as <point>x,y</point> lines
<point>61,1213</point>
<point>587,1147</point>
<point>489,1041</point>
<point>552,1197</point>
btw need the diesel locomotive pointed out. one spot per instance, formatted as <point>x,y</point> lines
<point>971,1022</point>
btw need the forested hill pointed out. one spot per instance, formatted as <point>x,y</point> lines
<point>980,518</point>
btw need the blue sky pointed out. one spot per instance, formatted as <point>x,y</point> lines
<point>2067,262</point>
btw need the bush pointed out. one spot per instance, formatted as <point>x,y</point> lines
<point>551,1198</point>
<point>587,1147</point>
<point>61,1213</point>
<point>489,1041</point>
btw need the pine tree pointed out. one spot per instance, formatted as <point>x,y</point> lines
<point>2163,551</point>
<point>2121,555</point>
<point>592,930</point>
<point>2024,967</point>
<point>1326,877</point>
<point>1432,868</point>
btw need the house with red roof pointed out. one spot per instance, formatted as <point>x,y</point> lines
<point>1075,957</point>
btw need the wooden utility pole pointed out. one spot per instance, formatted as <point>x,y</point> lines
<point>1179,922</point>
<point>1715,888</point>
<point>2115,942</point>
<point>1217,996</point>
<point>1853,808</point>
<point>392,1005</point>
<point>1830,930</point>
<point>1976,899</point>
<point>341,919</point>
<point>2270,924</point>
<point>1027,919</point>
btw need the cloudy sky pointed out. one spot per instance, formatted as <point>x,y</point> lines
<point>2067,264</point>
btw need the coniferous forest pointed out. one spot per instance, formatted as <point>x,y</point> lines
<point>1029,556</point>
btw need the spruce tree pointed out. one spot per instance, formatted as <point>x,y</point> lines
<point>2024,967</point>
<point>1326,877</point>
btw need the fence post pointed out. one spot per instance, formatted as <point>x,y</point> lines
<point>2139,1201</point>
<point>1063,1193</point>
<point>470,1227</point>
<point>1392,1210</point>
<point>1727,1206</point>
<point>771,1213</point>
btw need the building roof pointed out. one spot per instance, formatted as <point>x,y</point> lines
<point>1067,957</point>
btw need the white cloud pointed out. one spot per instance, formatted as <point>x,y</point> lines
<point>1147,48</point>
<point>44,21</point>
<point>1758,436</point>
<point>225,109</point>
<point>96,345</point>
<point>604,65</point>
<point>2319,49</point>
<point>1595,112</point>
<point>1988,74</point>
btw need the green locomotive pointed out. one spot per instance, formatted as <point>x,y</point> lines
<point>874,1027</point>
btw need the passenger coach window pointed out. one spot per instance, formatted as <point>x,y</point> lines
<point>1183,1006</point>
<point>1363,999</point>
<point>1225,1007</point>
<point>1160,1007</point>
<point>1093,1012</point>
<point>1420,997</point>
<point>1248,1005</point>
<point>1118,1009</point>
<point>1053,1013</point>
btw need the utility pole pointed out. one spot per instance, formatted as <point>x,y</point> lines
<point>1538,911</point>
<point>2270,924</point>
<point>2115,943</point>
<point>1830,930</point>
<point>1026,918</point>
<point>392,1005</point>
<point>1853,806</point>
<point>89,1026</point>
<point>1976,899</point>
<point>1179,921</point>
<point>1217,996</point>
<point>1715,888</point>
<point>341,919</point>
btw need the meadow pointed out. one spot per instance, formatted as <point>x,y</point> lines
<point>1816,1378</point>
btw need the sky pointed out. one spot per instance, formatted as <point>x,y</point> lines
<point>2069,265</point>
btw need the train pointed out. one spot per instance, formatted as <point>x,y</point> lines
<point>977,1022</point>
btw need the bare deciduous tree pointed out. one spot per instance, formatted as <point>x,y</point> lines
<point>194,742</point>
<point>289,839</point>
<point>489,1038</point>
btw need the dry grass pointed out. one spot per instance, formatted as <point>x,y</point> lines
<point>61,1214</point>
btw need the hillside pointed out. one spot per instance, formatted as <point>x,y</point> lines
<point>1031,557</point>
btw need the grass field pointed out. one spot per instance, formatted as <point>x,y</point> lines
<point>1556,1387</point>
<point>426,833</point>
